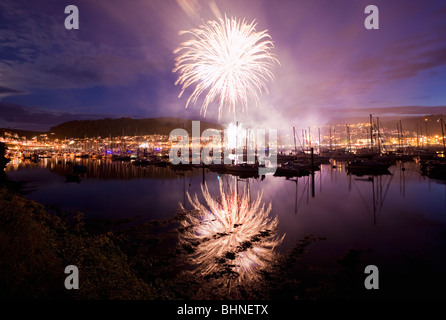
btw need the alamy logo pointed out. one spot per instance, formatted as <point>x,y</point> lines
<point>372,280</point>
<point>72,20</point>
<point>72,281</point>
<point>372,20</point>
<point>259,150</point>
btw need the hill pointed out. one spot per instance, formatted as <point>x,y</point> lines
<point>432,122</point>
<point>125,127</point>
<point>20,133</point>
<point>412,124</point>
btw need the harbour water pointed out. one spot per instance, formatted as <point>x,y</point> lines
<point>397,220</point>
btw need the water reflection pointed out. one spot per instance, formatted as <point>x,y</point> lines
<point>99,168</point>
<point>379,187</point>
<point>343,207</point>
<point>397,216</point>
<point>229,238</point>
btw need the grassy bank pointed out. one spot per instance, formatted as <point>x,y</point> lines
<point>36,247</point>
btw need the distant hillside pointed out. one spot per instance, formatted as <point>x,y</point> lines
<point>21,133</point>
<point>129,127</point>
<point>124,127</point>
<point>410,124</point>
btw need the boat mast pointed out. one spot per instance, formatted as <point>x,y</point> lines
<point>401,135</point>
<point>331,142</point>
<point>309,137</point>
<point>294,136</point>
<point>246,145</point>
<point>348,139</point>
<point>442,134</point>
<point>379,142</point>
<point>236,143</point>
<point>334,135</point>
<point>371,133</point>
<point>418,139</point>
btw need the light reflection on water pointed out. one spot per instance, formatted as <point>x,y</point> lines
<point>231,236</point>
<point>396,216</point>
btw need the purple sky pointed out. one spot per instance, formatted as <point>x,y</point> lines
<point>119,63</point>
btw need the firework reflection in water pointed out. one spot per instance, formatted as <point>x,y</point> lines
<point>228,59</point>
<point>231,237</point>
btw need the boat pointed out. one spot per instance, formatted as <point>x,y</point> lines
<point>82,155</point>
<point>219,168</point>
<point>341,156</point>
<point>242,167</point>
<point>160,163</point>
<point>243,170</point>
<point>435,169</point>
<point>121,158</point>
<point>386,158</point>
<point>283,158</point>
<point>182,167</point>
<point>289,169</point>
<point>404,157</point>
<point>44,155</point>
<point>142,162</point>
<point>364,167</point>
<point>305,164</point>
<point>156,161</point>
<point>97,156</point>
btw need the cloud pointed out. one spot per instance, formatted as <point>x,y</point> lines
<point>4,91</point>
<point>414,64</point>
<point>40,53</point>
<point>8,90</point>
<point>405,57</point>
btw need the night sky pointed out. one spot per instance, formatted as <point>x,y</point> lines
<point>120,61</point>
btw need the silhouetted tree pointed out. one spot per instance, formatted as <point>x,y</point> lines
<point>3,161</point>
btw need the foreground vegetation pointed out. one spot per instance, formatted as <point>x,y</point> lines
<point>36,247</point>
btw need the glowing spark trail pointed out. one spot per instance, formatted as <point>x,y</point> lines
<point>233,237</point>
<point>228,59</point>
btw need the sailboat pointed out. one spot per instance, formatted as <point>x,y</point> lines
<point>365,167</point>
<point>291,169</point>
<point>435,169</point>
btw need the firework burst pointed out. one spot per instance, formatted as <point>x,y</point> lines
<point>233,237</point>
<point>227,59</point>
